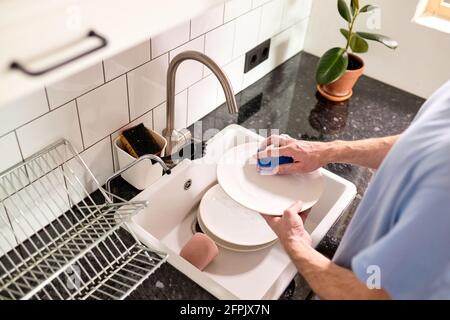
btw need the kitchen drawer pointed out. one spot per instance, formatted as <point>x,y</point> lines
<point>41,34</point>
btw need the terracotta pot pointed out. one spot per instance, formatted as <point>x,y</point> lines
<point>341,89</point>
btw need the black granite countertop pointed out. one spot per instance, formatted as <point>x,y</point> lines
<point>286,100</point>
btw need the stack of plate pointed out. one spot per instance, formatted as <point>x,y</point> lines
<point>231,225</point>
<point>229,212</point>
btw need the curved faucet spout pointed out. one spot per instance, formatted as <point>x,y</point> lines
<point>173,137</point>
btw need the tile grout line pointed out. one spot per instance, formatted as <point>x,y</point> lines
<point>128,98</point>
<point>48,100</point>
<point>204,52</point>
<point>38,117</point>
<point>153,119</point>
<point>223,13</point>
<point>234,40</point>
<point>18,144</point>
<point>150,46</point>
<point>140,116</point>
<point>95,143</point>
<point>112,153</point>
<point>79,124</point>
<point>260,23</point>
<point>187,106</point>
<point>103,69</point>
<point>97,87</point>
<point>190,29</point>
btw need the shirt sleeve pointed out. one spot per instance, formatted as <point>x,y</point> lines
<point>412,261</point>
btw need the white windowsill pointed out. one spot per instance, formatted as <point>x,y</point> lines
<point>434,22</point>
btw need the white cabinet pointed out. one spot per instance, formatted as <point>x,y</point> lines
<point>45,34</point>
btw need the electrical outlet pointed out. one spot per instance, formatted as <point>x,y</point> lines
<point>257,55</point>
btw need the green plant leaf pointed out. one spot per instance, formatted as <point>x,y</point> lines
<point>345,33</point>
<point>358,44</point>
<point>354,5</point>
<point>388,42</point>
<point>344,11</point>
<point>368,8</point>
<point>331,66</point>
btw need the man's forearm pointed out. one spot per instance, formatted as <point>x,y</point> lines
<point>366,153</point>
<point>328,280</point>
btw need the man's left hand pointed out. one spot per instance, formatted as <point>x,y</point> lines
<point>290,226</point>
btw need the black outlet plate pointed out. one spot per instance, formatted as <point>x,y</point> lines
<point>257,55</point>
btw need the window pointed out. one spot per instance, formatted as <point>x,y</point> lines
<point>434,14</point>
<point>440,8</point>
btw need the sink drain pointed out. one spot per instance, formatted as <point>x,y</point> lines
<point>195,227</point>
<point>187,184</point>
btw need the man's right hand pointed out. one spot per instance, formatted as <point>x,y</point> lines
<point>308,156</point>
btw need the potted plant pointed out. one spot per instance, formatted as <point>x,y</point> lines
<point>338,69</point>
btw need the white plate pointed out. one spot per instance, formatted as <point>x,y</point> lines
<point>269,194</point>
<point>231,222</point>
<point>230,246</point>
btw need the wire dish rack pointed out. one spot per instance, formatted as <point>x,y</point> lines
<point>57,241</point>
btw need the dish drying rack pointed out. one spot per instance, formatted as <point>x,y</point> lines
<point>57,241</point>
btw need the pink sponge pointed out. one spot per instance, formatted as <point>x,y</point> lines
<point>200,250</point>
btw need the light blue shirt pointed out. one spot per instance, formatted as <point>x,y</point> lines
<point>401,230</point>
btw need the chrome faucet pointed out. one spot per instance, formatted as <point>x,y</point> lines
<point>176,138</point>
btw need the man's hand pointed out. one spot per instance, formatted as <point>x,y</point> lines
<point>308,156</point>
<point>328,280</point>
<point>289,227</point>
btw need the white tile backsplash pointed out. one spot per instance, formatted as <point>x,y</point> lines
<point>207,21</point>
<point>159,113</point>
<point>234,71</point>
<point>10,151</point>
<point>246,35</point>
<point>283,46</point>
<point>127,60</point>
<point>103,110</point>
<point>181,105</point>
<point>98,158</point>
<point>189,71</point>
<point>201,98</point>
<point>271,16</point>
<point>58,124</point>
<point>159,118</point>
<point>257,3</point>
<point>147,86</point>
<point>170,39</point>
<point>289,42</point>
<point>294,11</point>
<point>235,8</point>
<point>22,111</point>
<point>146,119</point>
<point>135,87</point>
<point>74,86</point>
<point>219,44</point>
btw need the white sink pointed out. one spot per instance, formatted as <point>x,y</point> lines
<point>166,225</point>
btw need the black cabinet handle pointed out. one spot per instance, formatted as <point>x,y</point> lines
<point>103,43</point>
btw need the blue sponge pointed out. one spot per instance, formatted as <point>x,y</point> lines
<point>271,163</point>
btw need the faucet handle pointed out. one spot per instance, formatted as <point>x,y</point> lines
<point>177,139</point>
